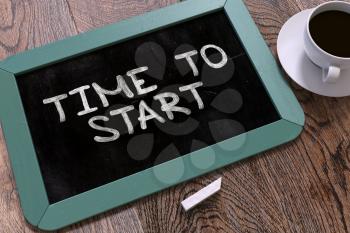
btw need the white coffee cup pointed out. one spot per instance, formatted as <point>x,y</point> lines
<point>331,65</point>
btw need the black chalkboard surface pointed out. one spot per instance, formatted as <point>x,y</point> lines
<point>72,157</point>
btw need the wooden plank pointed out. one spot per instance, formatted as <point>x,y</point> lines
<point>123,219</point>
<point>90,14</point>
<point>29,24</point>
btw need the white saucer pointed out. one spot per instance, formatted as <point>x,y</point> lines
<point>290,48</point>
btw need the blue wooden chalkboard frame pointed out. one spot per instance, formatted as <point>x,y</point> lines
<point>29,182</point>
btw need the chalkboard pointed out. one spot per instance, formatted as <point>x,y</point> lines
<point>105,114</point>
<point>71,161</point>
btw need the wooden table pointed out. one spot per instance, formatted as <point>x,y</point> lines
<point>300,187</point>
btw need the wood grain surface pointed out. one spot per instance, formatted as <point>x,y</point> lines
<point>303,186</point>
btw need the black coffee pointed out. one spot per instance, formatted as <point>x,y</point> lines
<point>331,32</point>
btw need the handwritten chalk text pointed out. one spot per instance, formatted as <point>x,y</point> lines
<point>168,101</point>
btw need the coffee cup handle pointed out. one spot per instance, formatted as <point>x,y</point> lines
<point>331,74</point>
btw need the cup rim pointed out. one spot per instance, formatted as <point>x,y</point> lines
<point>308,28</point>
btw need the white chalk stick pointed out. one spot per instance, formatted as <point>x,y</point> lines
<point>201,195</point>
